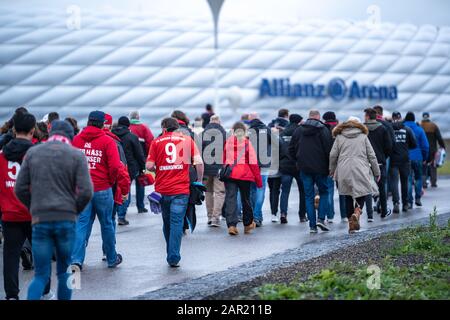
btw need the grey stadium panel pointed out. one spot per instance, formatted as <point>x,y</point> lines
<point>118,63</point>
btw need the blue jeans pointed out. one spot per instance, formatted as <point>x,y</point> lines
<point>173,213</point>
<point>140,194</point>
<point>257,198</point>
<point>286,183</point>
<point>101,206</point>
<point>47,236</point>
<point>122,209</point>
<point>330,213</point>
<point>321,180</point>
<point>415,178</point>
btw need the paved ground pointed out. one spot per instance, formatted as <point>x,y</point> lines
<point>206,251</point>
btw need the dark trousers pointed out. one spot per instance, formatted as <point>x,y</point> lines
<point>286,183</point>
<point>231,190</point>
<point>382,190</point>
<point>350,204</point>
<point>429,170</point>
<point>396,172</point>
<point>274,188</point>
<point>15,234</point>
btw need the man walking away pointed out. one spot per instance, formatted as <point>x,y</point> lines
<point>381,142</point>
<point>289,171</point>
<point>15,218</point>
<point>282,121</point>
<point>54,184</point>
<point>418,157</point>
<point>400,164</point>
<point>135,160</point>
<point>206,116</point>
<point>171,155</point>
<point>260,138</point>
<point>434,138</point>
<point>310,146</point>
<point>145,137</point>
<point>104,166</point>
<point>213,140</point>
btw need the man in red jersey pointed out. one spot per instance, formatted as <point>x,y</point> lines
<point>104,166</point>
<point>170,156</point>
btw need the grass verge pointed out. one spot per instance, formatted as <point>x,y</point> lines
<point>415,265</point>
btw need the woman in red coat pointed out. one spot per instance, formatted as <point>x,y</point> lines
<point>239,154</point>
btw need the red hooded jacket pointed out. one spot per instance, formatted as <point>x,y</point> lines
<point>102,156</point>
<point>247,166</point>
<point>12,209</point>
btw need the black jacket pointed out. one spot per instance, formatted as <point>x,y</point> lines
<point>5,138</point>
<point>133,150</point>
<point>287,163</point>
<point>310,146</point>
<point>389,126</point>
<point>279,123</point>
<point>404,140</point>
<point>260,137</point>
<point>15,149</point>
<point>206,117</point>
<point>380,139</point>
<point>213,141</point>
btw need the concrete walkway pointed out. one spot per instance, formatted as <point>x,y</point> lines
<point>207,250</point>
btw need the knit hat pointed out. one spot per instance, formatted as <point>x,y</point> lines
<point>396,115</point>
<point>124,121</point>
<point>108,119</point>
<point>410,116</point>
<point>295,118</point>
<point>98,116</point>
<point>329,116</point>
<point>63,128</point>
<point>426,116</point>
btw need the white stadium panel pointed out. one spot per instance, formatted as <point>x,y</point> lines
<point>118,62</point>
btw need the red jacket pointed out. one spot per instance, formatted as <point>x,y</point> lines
<point>144,134</point>
<point>247,167</point>
<point>102,156</point>
<point>12,209</point>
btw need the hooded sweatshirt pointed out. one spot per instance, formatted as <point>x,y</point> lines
<point>310,146</point>
<point>380,139</point>
<point>10,160</point>
<point>404,140</point>
<point>420,152</point>
<point>102,156</point>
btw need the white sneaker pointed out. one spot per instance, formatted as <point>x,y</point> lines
<point>49,296</point>
<point>215,224</point>
<point>370,220</point>
<point>275,218</point>
<point>344,219</point>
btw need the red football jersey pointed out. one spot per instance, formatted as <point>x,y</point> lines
<point>172,153</point>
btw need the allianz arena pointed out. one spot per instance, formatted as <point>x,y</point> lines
<point>118,62</point>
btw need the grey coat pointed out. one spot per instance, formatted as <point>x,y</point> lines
<point>353,161</point>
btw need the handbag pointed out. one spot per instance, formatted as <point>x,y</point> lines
<point>225,172</point>
<point>145,180</point>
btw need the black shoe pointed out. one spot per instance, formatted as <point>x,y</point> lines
<point>322,226</point>
<point>118,261</point>
<point>258,224</point>
<point>418,203</point>
<point>388,213</point>
<point>209,222</point>
<point>27,259</point>
<point>174,265</point>
<point>123,222</point>
<point>405,208</point>
<point>396,208</point>
<point>303,220</point>
<point>142,210</point>
<point>434,185</point>
<point>283,220</point>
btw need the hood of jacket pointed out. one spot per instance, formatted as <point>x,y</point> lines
<point>16,149</point>
<point>256,123</point>
<point>350,129</point>
<point>91,133</point>
<point>281,122</point>
<point>398,125</point>
<point>290,129</point>
<point>372,125</point>
<point>112,135</point>
<point>120,131</point>
<point>312,127</point>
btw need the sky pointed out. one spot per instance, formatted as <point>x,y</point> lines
<point>418,12</point>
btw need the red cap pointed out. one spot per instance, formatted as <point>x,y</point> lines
<point>108,119</point>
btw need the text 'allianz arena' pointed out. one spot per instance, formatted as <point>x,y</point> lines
<point>117,63</point>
